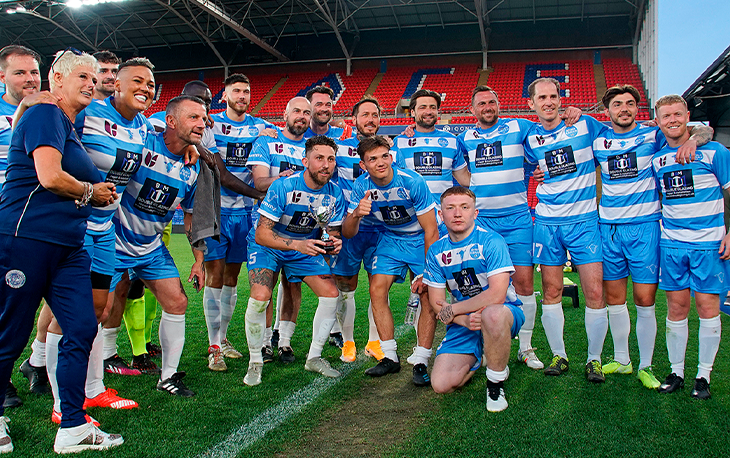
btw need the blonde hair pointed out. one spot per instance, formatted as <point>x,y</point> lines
<point>670,99</point>
<point>66,61</point>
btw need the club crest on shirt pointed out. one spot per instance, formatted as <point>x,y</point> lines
<point>225,129</point>
<point>503,129</point>
<point>571,131</point>
<point>443,142</point>
<point>110,128</point>
<point>253,131</point>
<point>474,252</point>
<point>446,257</point>
<point>540,139</point>
<point>15,278</point>
<point>607,143</point>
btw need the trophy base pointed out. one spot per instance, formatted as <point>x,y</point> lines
<point>329,247</point>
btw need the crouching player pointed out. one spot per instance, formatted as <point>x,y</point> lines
<point>474,264</point>
<point>287,238</point>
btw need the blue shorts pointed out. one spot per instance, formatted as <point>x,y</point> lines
<point>156,265</point>
<point>463,341</point>
<point>100,246</point>
<point>700,270</point>
<point>395,254</point>
<point>582,240</point>
<point>233,245</point>
<point>516,230</point>
<point>294,264</point>
<point>631,249</point>
<point>360,248</point>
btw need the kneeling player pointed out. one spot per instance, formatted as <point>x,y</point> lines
<point>286,238</point>
<point>474,264</point>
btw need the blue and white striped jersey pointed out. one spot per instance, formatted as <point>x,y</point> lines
<point>208,142</point>
<point>692,202</point>
<point>234,141</point>
<point>6,121</point>
<point>465,267</point>
<point>333,132</point>
<point>496,160</point>
<point>565,154</point>
<point>434,155</point>
<point>348,170</point>
<point>290,201</point>
<point>162,182</point>
<point>115,146</point>
<point>628,188</point>
<point>396,206</point>
<point>277,154</point>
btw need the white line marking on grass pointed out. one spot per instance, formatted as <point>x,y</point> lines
<point>274,416</point>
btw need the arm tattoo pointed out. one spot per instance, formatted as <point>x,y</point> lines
<point>446,313</point>
<point>189,234</point>
<point>702,134</point>
<point>263,277</point>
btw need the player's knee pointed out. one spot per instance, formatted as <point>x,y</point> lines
<point>494,319</point>
<point>441,384</point>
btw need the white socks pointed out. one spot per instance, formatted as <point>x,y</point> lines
<point>346,315</point>
<point>324,318</point>
<point>279,303</point>
<point>38,357</point>
<point>710,330</point>
<point>529,308</point>
<point>497,376</point>
<point>212,312</point>
<point>110,341</point>
<point>618,318</point>
<point>172,340</point>
<point>286,331</point>
<point>372,329</point>
<point>553,322</point>
<point>677,335</point>
<point>646,329</point>
<point>95,371</point>
<point>255,325</point>
<point>420,355</point>
<point>390,349</point>
<point>596,329</point>
<point>229,296</point>
<point>52,341</point>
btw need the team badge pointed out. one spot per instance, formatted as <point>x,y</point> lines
<point>279,148</point>
<point>296,196</point>
<point>607,143</point>
<point>446,257</point>
<point>571,131</point>
<point>475,133</point>
<point>110,128</point>
<point>226,129</point>
<point>639,140</point>
<point>374,194</point>
<point>540,139</point>
<point>184,173</point>
<point>503,129</point>
<point>150,159</point>
<point>412,142</point>
<point>474,252</point>
<point>443,142</point>
<point>698,155</point>
<point>15,278</point>
<point>253,131</point>
<point>352,152</point>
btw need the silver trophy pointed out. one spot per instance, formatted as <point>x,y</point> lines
<point>322,215</point>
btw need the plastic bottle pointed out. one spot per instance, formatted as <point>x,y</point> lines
<point>412,308</point>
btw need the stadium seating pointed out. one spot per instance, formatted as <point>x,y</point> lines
<point>623,71</point>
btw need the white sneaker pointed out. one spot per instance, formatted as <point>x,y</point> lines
<point>84,437</point>
<point>528,357</point>
<point>496,401</point>
<point>253,376</point>
<point>229,351</point>
<point>321,366</point>
<point>6,444</point>
<point>215,359</point>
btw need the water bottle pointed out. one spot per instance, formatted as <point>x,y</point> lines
<point>411,309</point>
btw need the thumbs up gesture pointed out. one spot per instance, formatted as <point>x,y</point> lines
<point>364,207</point>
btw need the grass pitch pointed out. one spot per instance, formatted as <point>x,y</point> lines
<point>293,413</point>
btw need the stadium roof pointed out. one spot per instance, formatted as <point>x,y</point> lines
<point>199,33</point>
<point>709,96</point>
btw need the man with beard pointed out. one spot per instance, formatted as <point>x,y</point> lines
<point>434,155</point>
<point>271,159</point>
<point>402,204</point>
<point>162,182</point>
<point>286,240</point>
<point>694,246</point>
<point>20,73</point>
<point>322,105</point>
<point>235,132</point>
<point>361,248</point>
<point>629,222</point>
<point>108,68</point>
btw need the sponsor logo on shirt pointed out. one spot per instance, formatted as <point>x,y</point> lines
<point>125,165</point>
<point>467,282</point>
<point>155,198</point>
<point>623,166</point>
<point>560,161</point>
<point>678,184</point>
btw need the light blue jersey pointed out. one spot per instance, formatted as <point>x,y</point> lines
<point>565,154</point>
<point>692,202</point>
<point>277,154</point>
<point>333,132</point>
<point>397,205</point>
<point>161,184</point>
<point>115,146</point>
<point>6,121</point>
<point>433,155</point>
<point>628,188</point>
<point>234,141</point>
<point>289,203</point>
<point>158,121</point>
<point>465,267</point>
<point>496,160</point>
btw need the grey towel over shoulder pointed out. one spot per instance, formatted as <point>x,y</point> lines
<point>207,207</point>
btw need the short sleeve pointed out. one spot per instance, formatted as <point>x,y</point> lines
<point>595,127</point>
<point>272,206</point>
<point>496,256</point>
<point>433,275</point>
<point>721,165</point>
<point>260,153</point>
<point>46,125</point>
<point>358,192</point>
<point>421,196</point>
<point>340,206</point>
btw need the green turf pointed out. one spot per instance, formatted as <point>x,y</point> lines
<point>546,417</point>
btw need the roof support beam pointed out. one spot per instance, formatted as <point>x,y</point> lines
<point>81,38</point>
<point>333,23</point>
<point>220,14</point>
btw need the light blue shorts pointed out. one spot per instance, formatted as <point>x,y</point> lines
<point>582,240</point>
<point>516,230</point>
<point>100,246</point>
<point>395,254</point>
<point>157,265</point>
<point>294,264</point>
<point>463,341</point>
<point>359,249</point>
<point>700,270</point>
<point>233,245</point>
<point>631,249</point>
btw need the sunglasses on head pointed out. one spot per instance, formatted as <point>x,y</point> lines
<point>69,49</point>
